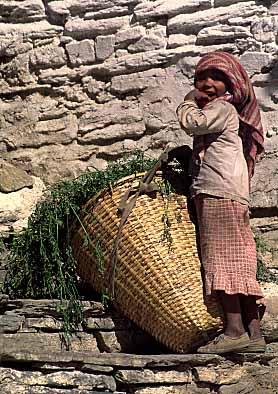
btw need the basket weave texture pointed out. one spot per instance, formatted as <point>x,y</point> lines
<point>158,281</point>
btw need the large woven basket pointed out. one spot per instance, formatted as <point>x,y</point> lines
<point>158,281</point>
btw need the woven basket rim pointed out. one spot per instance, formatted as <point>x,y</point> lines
<point>136,175</point>
<point>120,182</point>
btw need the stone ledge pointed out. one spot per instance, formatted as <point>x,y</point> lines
<point>79,359</point>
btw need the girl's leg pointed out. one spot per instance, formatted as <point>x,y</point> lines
<point>235,338</point>
<point>232,310</point>
<point>250,313</point>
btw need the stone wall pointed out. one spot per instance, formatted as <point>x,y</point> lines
<point>109,354</point>
<point>83,82</point>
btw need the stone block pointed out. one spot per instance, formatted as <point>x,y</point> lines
<point>42,308</point>
<point>147,376</point>
<point>149,42</point>
<point>135,83</point>
<point>82,52</point>
<point>12,388</point>
<point>177,40</point>
<point>19,204</point>
<point>48,56</point>
<point>61,379</point>
<point>75,7</point>
<point>159,9</point>
<point>13,46</point>
<point>85,29</point>
<point>101,323</point>
<point>193,23</point>
<point>254,62</point>
<point>62,76</point>
<point>205,375</point>
<point>46,324</point>
<point>174,389</point>
<point>114,132</point>
<point>273,10</point>
<point>221,34</point>
<point>56,131</point>
<point>33,31</point>
<point>265,29</point>
<point>13,178</point>
<point>269,323</point>
<point>115,113</point>
<point>266,94</point>
<point>269,121</point>
<point>127,36</point>
<point>111,12</point>
<point>248,44</point>
<point>108,342</point>
<point>58,11</point>
<point>10,323</point>
<point>104,46</point>
<point>45,342</point>
<point>265,183</point>
<point>224,3</point>
<point>22,11</point>
<point>239,388</point>
<point>113,150</point>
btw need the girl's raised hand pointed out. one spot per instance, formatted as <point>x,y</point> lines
<point>201,98</point>
<point>196,95</point>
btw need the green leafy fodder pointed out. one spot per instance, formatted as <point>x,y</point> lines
<point>41,263</point>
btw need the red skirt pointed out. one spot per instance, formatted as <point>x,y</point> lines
<point>228,249</point>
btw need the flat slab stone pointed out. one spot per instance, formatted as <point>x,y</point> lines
<point>13,178</point>
<point>108,359</point>
<point>46,342</point>
<point>58,379</point>
<point>127,360</point>
<point>44,307</point>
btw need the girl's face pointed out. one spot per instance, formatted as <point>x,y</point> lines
<point>212,82</point>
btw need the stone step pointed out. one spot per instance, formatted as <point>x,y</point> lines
<point>33,360</point>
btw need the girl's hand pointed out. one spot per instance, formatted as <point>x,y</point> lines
<point>201,98</point>
<point>196,95</point>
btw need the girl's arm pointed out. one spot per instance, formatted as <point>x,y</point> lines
<point>196,121</point>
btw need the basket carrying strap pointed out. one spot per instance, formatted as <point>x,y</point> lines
<point>126,205</point>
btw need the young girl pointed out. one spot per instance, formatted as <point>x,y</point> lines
<point>222,115</point>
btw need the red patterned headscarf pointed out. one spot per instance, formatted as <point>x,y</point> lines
<point>244,100</point>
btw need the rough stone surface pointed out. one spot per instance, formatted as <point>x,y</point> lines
<point>193,23</point>
<point>13,178</point>
<point>156,9</point>
<point>104,46</point>
<point>23,11</point>
<point>221,34</point>
<point>254,62</point>
<point>48,56</point>
<point>79,29</point>
<point>16,206</point>
<point>82,52</point>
